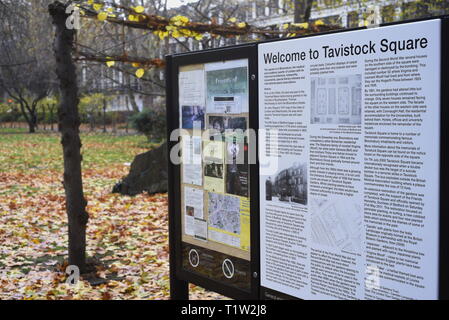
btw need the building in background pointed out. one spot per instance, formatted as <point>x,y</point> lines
<point>132,94</point>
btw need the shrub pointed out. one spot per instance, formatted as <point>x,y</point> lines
<point>151,123</point>
<point>9,117</point>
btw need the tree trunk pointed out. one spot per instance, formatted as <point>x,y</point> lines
<point>132,100</point>
<point>28,117</point>
<point>44,116</point>
<point>34,120</point>
<point>32,123</point>
<point>92,122</point>
<point>104,116</point>
<point>127,124</point>
<point>51,118</point>
<point>303,9</point>
<point>71,144</point>
<point>114,122</point>
<point>31,127</point>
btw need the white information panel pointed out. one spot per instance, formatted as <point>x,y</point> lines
<point>350,163</point>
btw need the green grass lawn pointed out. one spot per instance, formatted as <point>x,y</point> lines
<point>43,151</point>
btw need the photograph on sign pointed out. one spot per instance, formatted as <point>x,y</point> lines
<point>193,117</point>
<point>225,128</point>
<point>356,189</point>
<point>237,169</point>
<point>214,166</point>
<point>288,185</point>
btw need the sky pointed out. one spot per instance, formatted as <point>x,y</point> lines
<point>177,3</point>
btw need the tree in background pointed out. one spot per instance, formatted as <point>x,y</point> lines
<point>302,10</point>
<point>91,105</point>
<point>9,111</point>
<point>390,11</point>
<point>25,56</point>
<point>5,112</point>
<point>47,112</point>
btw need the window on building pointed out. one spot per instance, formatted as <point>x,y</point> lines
<point>353,19</point>
<point>260,8</point>
<point>413,10</point>
<point>388,13</point>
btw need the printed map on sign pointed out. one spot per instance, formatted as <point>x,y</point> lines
<point>229,220</point>
<point>224,212</point>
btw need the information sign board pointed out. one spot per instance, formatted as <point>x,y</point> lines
<point>313,167</point>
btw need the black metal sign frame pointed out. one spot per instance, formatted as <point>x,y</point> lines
<point>180,277</point>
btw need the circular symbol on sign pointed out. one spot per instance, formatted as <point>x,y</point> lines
<point>228,268</point>
<point>194,258</point>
